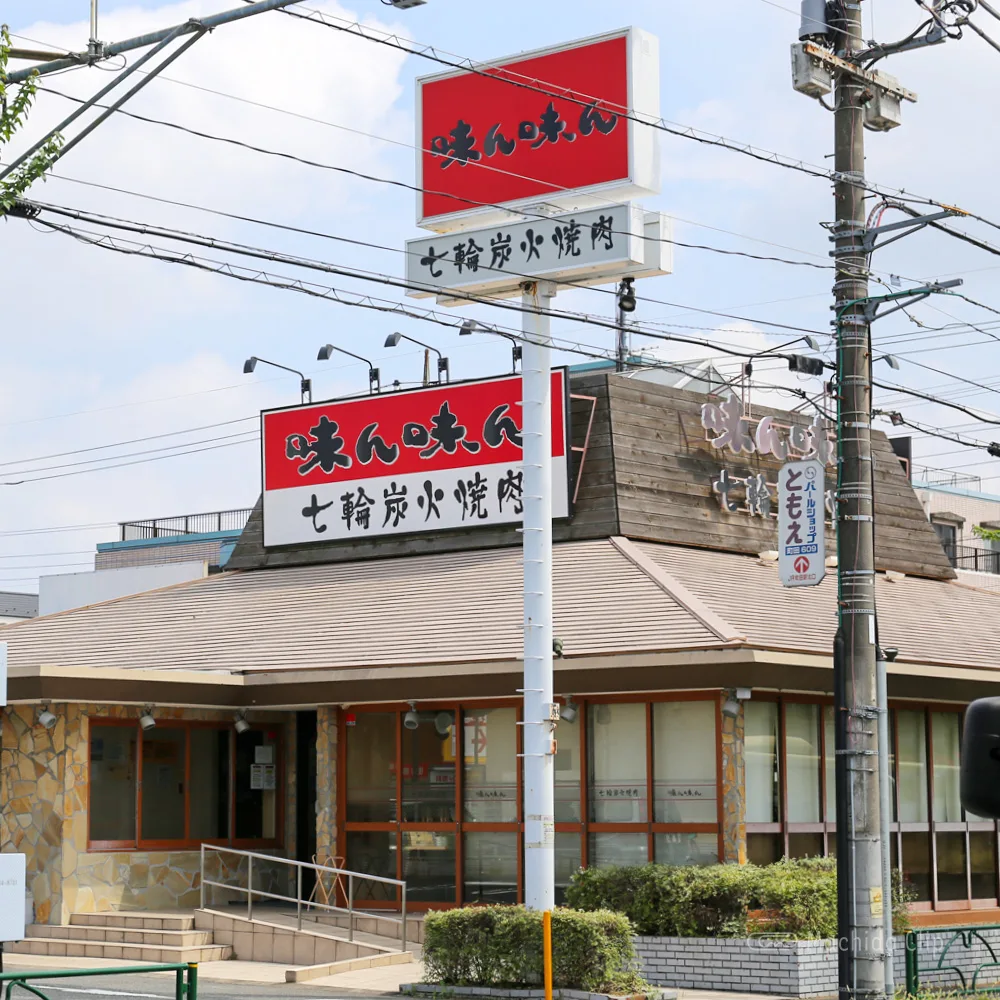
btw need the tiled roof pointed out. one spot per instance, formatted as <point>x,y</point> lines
<point>446,608</point>
<point>929,621</point>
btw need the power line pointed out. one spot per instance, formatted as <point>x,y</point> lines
<point>898,419</point>
<point>527,213</point>
<point>506,75</point>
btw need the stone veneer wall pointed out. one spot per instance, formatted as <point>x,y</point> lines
<point>734,806</point>
<point>327,719</point>
<point>43,785</point>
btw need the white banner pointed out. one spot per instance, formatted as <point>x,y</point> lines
<point>801,524</point>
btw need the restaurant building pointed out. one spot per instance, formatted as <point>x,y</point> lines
<point>379,675</point>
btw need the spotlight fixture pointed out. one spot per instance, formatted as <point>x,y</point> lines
<point>603,715</point>
<point>471,326</point>
<point>374,376</point>
<point>406,4</point>
<point>240,723</point>
<point>442,723</point>
<point>891,361</point>
<point>897,419</point>
<point>146,720</point>
<point>626,295</point>
<point>305,384</point>
<point>731,708</point>
<point>411,720</point>
<point>557,648</point>
<point>568,712</point>
<point>47,718</point>
<point>443,368</point>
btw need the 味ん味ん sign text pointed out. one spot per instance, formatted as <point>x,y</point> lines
<point>550,125</point>
<point>447,456</point>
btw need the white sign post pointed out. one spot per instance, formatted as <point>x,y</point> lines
<point>801,524</point>
<point>13,888</point>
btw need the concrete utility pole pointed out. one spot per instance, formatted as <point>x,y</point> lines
<point>540,712</point>
<point>858,825</point>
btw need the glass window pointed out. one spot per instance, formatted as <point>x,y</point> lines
<point>372,852</point>
<point>917,863</point>
<point>617,735</point>
<point>686,848</point>
<point>983,862</point>
<point>568,860</point>
<point>802,762</point>
<point>568,771</point>
<point>951,882</point>
<point>945,753</point>
<point>164,772</point>
<point>112,783</point>
<point>607,849</point>
<point>429,866</point>
<point>829,763</point>
<point>371,767</point>
<point>209,784</point>
<point>256,785</point>
<point>491,766</point>
<point>429,752</point>
<point>490,868</point>
<point>912,739</point>
<point>763,786</point>
<point>684,762</point>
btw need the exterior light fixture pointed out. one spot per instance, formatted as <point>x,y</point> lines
<point>47,719</point>
<point>146,720</point>
<point>603,715</point>
<point>568,712</point>
<point>891,361</point>
<point>406,4</point>
<point>897,419</point>
<point>731,708</point>
<point>443,368</point>
<point>442,723</point>
<point>305,384</point>
<point>811,342</point>
<point>768,556</point>
<point>374,376</point>
<point>411,720</point>
<point>471,326</point>
<point>240,723</point>
<point>626,295</point>
<point>557,648</point>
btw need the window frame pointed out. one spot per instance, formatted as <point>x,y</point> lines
<point>188,842</point>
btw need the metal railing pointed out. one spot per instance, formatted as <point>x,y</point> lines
<point>184,988</point>
<point>970,940</point>
<point>970,558</point>
<point>339,874</point>
<point>185,524</point>
<point>924,475</point>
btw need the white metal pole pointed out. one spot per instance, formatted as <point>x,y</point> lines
<point>882,695</point>
<point>539,763</point>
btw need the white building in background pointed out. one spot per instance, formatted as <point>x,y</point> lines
<point>15,607</point>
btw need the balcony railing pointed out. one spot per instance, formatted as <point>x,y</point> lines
<point>185,524</point>
<point>978,560</point>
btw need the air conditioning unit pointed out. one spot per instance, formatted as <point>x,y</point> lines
<point>809,75</point>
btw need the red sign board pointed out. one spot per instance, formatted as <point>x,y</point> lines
<point>447,456</point>
<point>549,125</point>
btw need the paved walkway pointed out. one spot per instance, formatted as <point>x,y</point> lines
<point>382,981</point>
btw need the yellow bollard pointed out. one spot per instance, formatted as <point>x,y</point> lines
<point>547,951</point>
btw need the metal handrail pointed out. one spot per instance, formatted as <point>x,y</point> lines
<point>185,989</point>
<point>299,867</point>
<point>967,936</point>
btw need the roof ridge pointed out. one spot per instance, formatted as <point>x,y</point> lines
<point>675,589</point>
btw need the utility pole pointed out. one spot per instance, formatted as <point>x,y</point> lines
<point>540,712</point>
<point>860,862</point>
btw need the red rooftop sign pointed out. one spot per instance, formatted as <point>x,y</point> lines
<point>442,457</point>
<point>551,125</point>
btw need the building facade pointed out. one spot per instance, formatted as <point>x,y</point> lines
<point>379,678</point>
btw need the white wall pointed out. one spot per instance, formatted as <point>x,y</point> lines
<point>64,591</point>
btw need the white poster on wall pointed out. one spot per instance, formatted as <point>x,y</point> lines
<point>13,889</point>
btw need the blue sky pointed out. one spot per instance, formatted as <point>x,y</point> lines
<point>101,348</point>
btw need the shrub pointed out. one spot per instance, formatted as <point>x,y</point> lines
<point>795,897</point>
<point>502,946</point>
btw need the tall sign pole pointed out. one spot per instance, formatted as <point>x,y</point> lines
<point>539,712</point>
<point>858,827</point>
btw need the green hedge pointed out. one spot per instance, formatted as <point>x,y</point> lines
<point>502,946</point>
<point>798,898</point>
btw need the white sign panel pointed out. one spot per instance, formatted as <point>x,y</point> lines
<point>444,457</point>
<point>801,524</point>
<point>589,247</point>
<point>13,888</point>
<point>3,673</point>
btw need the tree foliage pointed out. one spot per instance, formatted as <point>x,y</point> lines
<point>14,107</point>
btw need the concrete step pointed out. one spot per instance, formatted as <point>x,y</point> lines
<point>136,921</point>
<point>122,935</point>
<point>163,954</point>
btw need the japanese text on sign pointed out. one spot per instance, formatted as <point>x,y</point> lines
<point>801,524</point>
<point>442,457</point>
